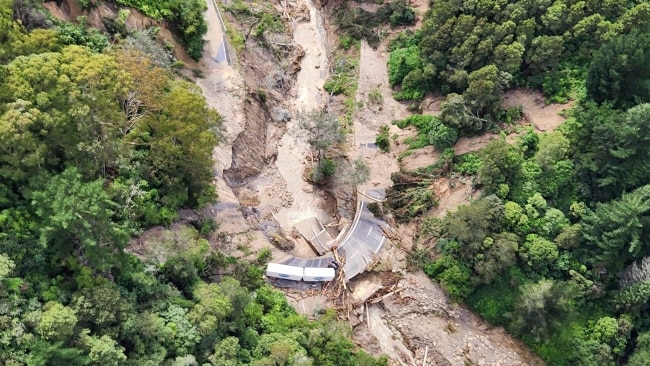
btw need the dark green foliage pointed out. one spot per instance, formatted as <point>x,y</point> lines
<point>610,152</point>
<point>182,272</point>
<point>431,131</point>
<point>641,355</point>
<point>70,33</point>
<point>442,136</point>
<point>541,307</point>
<point>620,72</point>
<point>185,17</point>
<point>383,139</point>
<point>500,164</point>
<point>546,262</point>
<point>545,44</point>
<point>619,229</point>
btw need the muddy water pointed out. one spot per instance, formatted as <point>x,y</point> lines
<point>291,161</point>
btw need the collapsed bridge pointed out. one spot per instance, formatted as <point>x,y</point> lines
<point>359,248</point>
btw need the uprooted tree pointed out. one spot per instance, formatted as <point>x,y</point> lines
<point>411,195</point>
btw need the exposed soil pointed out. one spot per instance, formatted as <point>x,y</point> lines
<point>373,77</point>
<point>420,318</point>
<point>545,117</point>
<point>452,193</point>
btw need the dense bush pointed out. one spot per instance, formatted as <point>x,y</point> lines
<point>545,44</point>
<point>383,139</point>
<point>185,17</point>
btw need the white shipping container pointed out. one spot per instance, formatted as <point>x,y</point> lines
<point>283,271</point>
<point>318,274</point>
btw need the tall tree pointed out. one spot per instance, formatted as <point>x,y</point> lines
<point>620,228</point>
<point>77,217</point>
<point>620,71</point>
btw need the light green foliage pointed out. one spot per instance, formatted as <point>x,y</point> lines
<point>453,275</point>
<point>212,308</point>
<point>225,352</point>
<point>101,306</point>
<point>431,131</point>
<point>95,147</point>
<point>555,168</point>
<point>569,237</point>
<point>401,62</point>
<point>104,351</point>
<point>57,322</point>
<point>342,77</point>
<point>73,34</point>
<point>539,252</point>
<point>6,266</point>
<point>515,216</point>
<point>179,331</point>
<point>469,164</point>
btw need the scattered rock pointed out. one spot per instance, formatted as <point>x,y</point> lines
<point>188,216</point>
<point>279,114</point>
<point>281,242</point>
<point>248,198</point>
<point>308,189</point>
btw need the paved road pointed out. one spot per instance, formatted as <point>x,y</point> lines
<point>217,45</point>
<point>359,247</point>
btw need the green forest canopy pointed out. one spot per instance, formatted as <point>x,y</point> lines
<point>556,250</point>
<point>479,48</point>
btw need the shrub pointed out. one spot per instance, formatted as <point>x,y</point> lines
<point>375,97</point>
<point>346,42</point>
<point>383,140</point>
<point>442,136</point>
<point>469,164</point>
<point>401,62</point>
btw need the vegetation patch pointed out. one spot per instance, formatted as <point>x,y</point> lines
<point>360,24</point>
<point>383,140</point>
<point>431,131</point>
<point>185,18</point>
